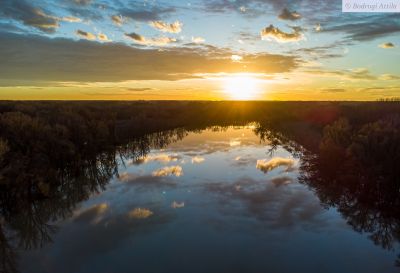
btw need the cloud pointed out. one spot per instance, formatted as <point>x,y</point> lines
<point>86,61</point>
<point>248,8</point>
<point>146,182</point>
<point>117,19</point>
<point>85,35</point>
<point>82,2</point>
<point>125,177</point>
<point>365,28</point>
<point>271,203</point>
<point>138,12</point>
<point>351,74</point>
<point>280,36</point>
<point>175,27</point>
<point>268,165</point>
<point>164,158</point>
<point>103,37</point>
<point>389,77</point>
<point>140,213</point>
<point>139,89</point>
<point>236,58</point>
<point>246,37</point>
<point>387,45</point>
<point>71,19</point>
<point>244,160</point>
<point>177,205</point>
<point>92,214</point>
<point>280,181</point>
<point>333,90</point>
<point>289,15</point>
<point>159,41</point>
<point>334,50</point>
<point>167,171</point>
<point>21,10</point>
<point>197,159</point>
<point>198,40</point>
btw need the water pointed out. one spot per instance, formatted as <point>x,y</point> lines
<point>213,200</point>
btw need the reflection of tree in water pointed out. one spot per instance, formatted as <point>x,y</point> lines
<point>47,195</point>
<point>355,168</point>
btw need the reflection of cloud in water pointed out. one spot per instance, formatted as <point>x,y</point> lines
<point>147,182</point>
<point>234,143</point>
<point>272,205</point>
<point>163,158</point>
<point>92,214</point>
<point>167,171</point>
<point>197,159</point>
<point>125,176</point>
<point>282,180</point>
<point>109,235</point>
<point>140,213</point>
<point>177,205</point>
<point>210,141</point>
<point>244,160</point>
<point>266,165</point>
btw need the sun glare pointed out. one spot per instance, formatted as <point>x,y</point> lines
<point>241,87</point>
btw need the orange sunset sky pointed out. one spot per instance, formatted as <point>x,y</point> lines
<point>196,50</point>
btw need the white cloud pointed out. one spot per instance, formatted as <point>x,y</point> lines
<point>280,36</point>
<point>198,40</point>
<point>268,165</point>
<point>158,41</point>
<point>140,213</point>
<point>197,160</point>
<point>167,171</point>
<point>175,27</point>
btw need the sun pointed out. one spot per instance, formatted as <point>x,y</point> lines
<point>241,87</point>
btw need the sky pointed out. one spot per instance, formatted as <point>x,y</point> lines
<point>196,50</point>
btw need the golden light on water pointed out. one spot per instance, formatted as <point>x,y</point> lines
<point>241,87</point>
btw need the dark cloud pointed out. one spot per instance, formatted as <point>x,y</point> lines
<point>85,35</point>
<point>387,45</point>
<point>366,28</point>
<point>139,89</point>
<point>147,181</point>
<point>289,15</point>
<point>146,13</point>
<point>117,19</point>
<point>157,41</point>
<point>247,37</point>
<point>85,61</point>
<point>29,15</point>
<point>282,180</point>
<point>281,36</point>
<point>355,74</point>
<point>334,50</point>
<point>333,90</point>
<point>252,8</point>
<point>135,36</point>
<point>82,2</point>
<point>248,8</point>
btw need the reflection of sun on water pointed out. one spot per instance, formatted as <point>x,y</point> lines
<point>241,87</point>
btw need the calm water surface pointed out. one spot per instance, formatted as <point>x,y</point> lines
<point>215,201</point>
